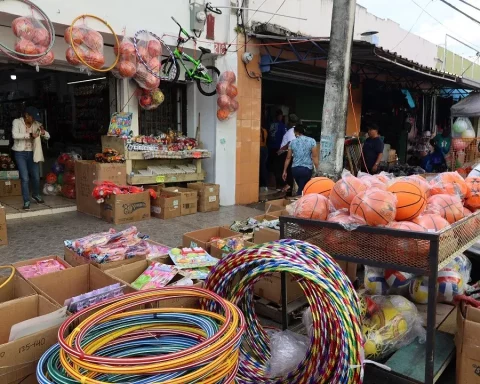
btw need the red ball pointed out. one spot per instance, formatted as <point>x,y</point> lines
<point>95,59</point>
<point>151,82</point>
<point>228,76</point>
<point>223,102</point>
<point>70,165</point>
<point>314,207</point>
<point>127,69</point>
<point>233,106</point>
<point>222,87</point>
<point>77,33</point>
<point>154,65</point>
<point>51,178</point>
<point>154,48</point>
<point>71,56</point>
<point>48,59</point>
<point>41,36</point>
<point>68,190</point>
<point>69,178</point>
<point>25,46</point>
<point>232,91</point>
<point>23,27</point>
<point>94,41</point>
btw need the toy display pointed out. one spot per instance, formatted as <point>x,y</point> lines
<point>227,93</point>
<point>411,199</point>
<point>105,189</point>
<point>88,45</point>
<point>6,162</point>
<point>110,156</point>
<point>155,276</point>
<point>120,124</point>
<point>319,185</point>
<point>157,250</point>
<point>79,303</point>
<point>195,274</point>
<point>61,181</point>
<point>41,267</point>
<point>374,207</point>
<point>191,258</point>
<point>171,141</point>
<point>230,245</point>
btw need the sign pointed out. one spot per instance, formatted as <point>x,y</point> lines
<point>160,179</point>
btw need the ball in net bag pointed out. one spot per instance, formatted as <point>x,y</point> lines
<point>319,185</point>
<point>450,183</point>
<point>315,207</point>
<point>411,199</point>
<point>374,207</point>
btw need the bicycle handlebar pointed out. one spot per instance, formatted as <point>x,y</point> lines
<point>189,37</point>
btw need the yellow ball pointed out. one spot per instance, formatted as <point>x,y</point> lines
<point>382,317</point>
<point>394,329</point>
<point>374,345</point>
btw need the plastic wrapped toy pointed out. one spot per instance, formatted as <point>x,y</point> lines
<point>41,267</point>
<point>191,258</point>
<point>155,276</point>
<point>78,303</point>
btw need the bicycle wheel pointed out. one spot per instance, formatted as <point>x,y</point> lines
<point>209,89</point>
<point>170,69</point>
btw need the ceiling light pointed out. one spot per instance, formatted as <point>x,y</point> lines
<point>86,81</point>
<point>13,77</point>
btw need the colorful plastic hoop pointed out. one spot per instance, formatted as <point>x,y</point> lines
<point>12,273</point>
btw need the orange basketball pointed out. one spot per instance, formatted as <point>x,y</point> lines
<point>411,247</point>
<point>374,207</point>
<point>421,182</point>
<point>450,207</point>
<point>373,182</point>
<point>431,222</point>
<point>411,199</point>
<point>335,239</point>
<point>473,197</point>
<point>312,207</point>
<point>345,190</point>
<point>319,185</point>
<point>450,183</point>
<point>382,177</point>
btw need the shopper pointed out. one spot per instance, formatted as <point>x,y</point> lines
<point>372,150</point>
<point>282,153</point>
<point>275,136</point>
<point>263,159</point>
<point>25,132</point>
<point>304,152</point>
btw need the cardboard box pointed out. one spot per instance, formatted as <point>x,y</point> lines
<point>270,288</point>
<point>86,172</point>
<point>15,289</point>
<point>3,227</point>
<point>467,341</point>
<point>121,209</point>
<point>350,269</point>
<point>127,274</point>
<point>265,235</point>
<point>208,196</point>
<point>277,205</point>
<point>277,214</point>
<point>19,358</point>
<point>167,205</point>
<point>266,217</point>
<point>76,260</point>
<point>201,238</point>
<point>189,200</point>
<point>63,285</point>
<point>10,188</point>
<point>33,261</point>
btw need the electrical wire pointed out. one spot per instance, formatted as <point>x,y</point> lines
<point>460,11</point>
<point>336,350</point>
<point>10,277</point>
<point>470,5</point>
<point>130,340</point>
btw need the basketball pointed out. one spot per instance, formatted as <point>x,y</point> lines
<point>418,290</point>
<point>319,185</point>
<point>450,284</point>
<point>473,197</point>
<point>337,239</point>
<point>345,190</point>
<point>371,181</point>
<point>397,279</point>
<point>410,247</point>
<point>431,222</point>
<point>467,212</point>
<point>374,207</point>
<point>411,199</point>
<point>450,207</point>
<point>312,207</point>
<point>450,183</point>
<point>421,182</point>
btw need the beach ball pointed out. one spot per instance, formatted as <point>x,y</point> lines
<point>397,279</point>
<point>51,178</point>
<point>418,290</point>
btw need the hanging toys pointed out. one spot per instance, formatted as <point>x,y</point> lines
<point>126,67</point>
<point>150,99</point>
<point>227,93</point>
<point>148,49</point>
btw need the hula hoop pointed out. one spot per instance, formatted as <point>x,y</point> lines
<point>81,59</point>
<point>12,273</point>
<point>36,56</point>
<point>135,44</point>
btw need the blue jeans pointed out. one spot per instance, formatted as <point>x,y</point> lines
<point>28,171</point>
<point>302,175</point>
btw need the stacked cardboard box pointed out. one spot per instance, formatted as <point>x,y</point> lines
<point>208,196</point>
<point>467,341</point>
<point>122,209</point>
<point>10,188</point>
<point>188,201</point>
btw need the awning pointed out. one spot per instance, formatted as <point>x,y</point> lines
<point>368,61</point>
<point>468,107</point>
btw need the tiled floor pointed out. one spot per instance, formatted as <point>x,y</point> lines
<point>14,206</point>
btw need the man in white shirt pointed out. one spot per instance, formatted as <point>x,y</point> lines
<point>24,131</point>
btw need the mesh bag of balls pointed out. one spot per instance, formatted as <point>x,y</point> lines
<point>150,99</point>
<point>126,67</point>
<point>388,324</point>
<point>227,95</point>
<point>88,46</point>
<point>32,39</point>
<point>149,56</point>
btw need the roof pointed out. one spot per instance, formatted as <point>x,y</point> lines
<point>368,60</point>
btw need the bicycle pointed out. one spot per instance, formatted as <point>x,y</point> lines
<point>206,76</point>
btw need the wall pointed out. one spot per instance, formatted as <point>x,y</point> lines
<point>354,113</point>
<point>453,63</point>
<point>319,14</point>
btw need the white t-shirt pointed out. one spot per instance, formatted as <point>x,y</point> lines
<point>288,137</point>
<point>475,171</point>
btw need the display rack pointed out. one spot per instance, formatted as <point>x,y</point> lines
<point>420,253</point>
<point>136,160</point>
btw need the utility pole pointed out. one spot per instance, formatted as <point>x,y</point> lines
<point>335,106</point>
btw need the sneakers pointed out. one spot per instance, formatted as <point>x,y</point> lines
<point>26,205</point>
<point>38,199</point>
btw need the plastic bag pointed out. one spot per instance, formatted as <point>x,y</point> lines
<point>450,183</point>
<point>149,55</point>
<point>461,125</point>
<point>372,181</point>
<point>88,44</point>
<point>150,99</point>
<point>287,350</point>
<point>344,218</point>
<point>345,190</point>
<point>315,207</point>
<point>126,67</point>
<point>32,38</point>
<point>473,199</point>
<point>394,324</point>
<point>227,95</point>
<point>374,207</point>
<point>52,189</point>
<point>120,124</point>
<point>450,207</point>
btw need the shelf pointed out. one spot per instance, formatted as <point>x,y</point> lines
<point>170,178</point>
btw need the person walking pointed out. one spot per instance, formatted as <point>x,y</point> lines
<point>27,132</point>
<point>372,150</point>
<point>275,136</point>
<point>282,153</point>
<point>263,159</point>
<point>304,152</point>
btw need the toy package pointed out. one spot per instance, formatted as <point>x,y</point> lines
<point>78,303</point>
<point>155,276</point>
<point>157,250</point>
<point>120,124</point>
<point>185,282</point>
<point>195,274</point>
<point>230,245</point>
<point>41,267</point>
<point>191,258</point>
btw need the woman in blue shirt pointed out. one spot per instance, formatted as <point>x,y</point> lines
<point>304,152</point>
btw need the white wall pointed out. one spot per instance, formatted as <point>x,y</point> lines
<point>318,24</point>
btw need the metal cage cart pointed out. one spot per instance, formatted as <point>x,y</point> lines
<point>420,253</point>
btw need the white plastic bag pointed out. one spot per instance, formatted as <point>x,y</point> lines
<point>287,350</point>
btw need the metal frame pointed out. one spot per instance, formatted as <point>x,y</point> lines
<point>431,272</point>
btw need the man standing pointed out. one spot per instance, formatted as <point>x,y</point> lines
<point>372,150</point>
<point>275,137</point>
<point>282,153</point>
